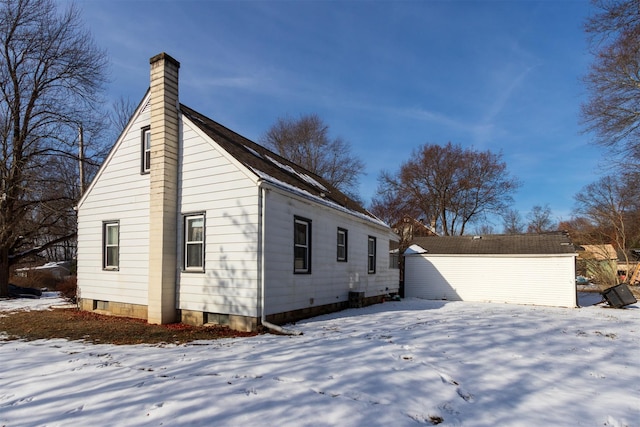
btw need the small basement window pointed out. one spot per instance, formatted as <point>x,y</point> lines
<point>216,319</point>
<point>101,305</point>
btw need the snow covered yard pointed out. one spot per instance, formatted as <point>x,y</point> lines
<point>404,363</point>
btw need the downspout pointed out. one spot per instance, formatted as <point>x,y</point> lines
<point>263,316</point>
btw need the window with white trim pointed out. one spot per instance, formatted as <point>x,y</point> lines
<point>302,246</point>
<point>194,242</point>
<point>146,150</point>
<point>371,255</point>
<point>111,245</point>
<point>342,245</point>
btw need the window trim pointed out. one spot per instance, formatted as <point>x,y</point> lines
<point>344,245</point>
<point>371,256</point>
<point>105,246</point>
<point>307,222</point>
<point>186,218</point>
<point>145,167</point>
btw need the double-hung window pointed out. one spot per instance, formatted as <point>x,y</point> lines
<point>146,150</point>
<point>342,245</point>
<point>194,242</point>
<point>371,255</point>
<point>302,246</point>
<point>111,245</point>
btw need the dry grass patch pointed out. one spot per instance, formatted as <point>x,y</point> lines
<point>74,324</point>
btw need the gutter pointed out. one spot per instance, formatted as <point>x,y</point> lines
<point>263,319</point>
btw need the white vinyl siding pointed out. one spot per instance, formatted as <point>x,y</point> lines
<point>122,193</point>
<point>539,280</point>
<point>213,185</point>
<point>330,281</point>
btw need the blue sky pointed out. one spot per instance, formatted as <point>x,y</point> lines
<point>387,76</point>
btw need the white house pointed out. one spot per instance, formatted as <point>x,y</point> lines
<point>537,269</point>
<point>189,221</point>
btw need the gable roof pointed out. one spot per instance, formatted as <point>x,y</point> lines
<point>274,168</point>
<point>498,244</point>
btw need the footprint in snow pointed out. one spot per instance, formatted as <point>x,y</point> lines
<point>19,401</point>
<point>288,379</point>
<point>78,409</point>
<point>465,395</point>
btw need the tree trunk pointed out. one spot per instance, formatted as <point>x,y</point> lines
<point>4,272</point>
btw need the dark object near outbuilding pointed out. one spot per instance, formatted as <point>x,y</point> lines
<point>21,292</point>
<point>619,296</point>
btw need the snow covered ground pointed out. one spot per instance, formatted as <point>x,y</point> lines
<point>405,363</point>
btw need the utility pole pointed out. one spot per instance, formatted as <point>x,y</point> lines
<point>81,158</point>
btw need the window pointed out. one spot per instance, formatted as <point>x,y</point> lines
<point>394,254</point>
<point>302,246</point>
<point>146,150</point>
<point>371,255</point>
<point>342,245</point>
<point>111,245</point>
<point>194,242</point>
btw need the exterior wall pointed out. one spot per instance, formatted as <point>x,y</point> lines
<point>212,184</point>
<point>543,280</point>
<point>120,193</point>
<point>330,281</point>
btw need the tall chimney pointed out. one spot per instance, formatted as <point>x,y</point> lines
<point>163,210</point>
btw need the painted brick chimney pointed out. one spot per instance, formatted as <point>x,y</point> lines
<point>163,210</point>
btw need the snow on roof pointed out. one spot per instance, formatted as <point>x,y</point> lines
<point>318,199</point>
<point>303,176</point>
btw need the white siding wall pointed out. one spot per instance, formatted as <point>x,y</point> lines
<point>229,199</point>
<point>121,194</point>
<point>544,280</point>
<point>330,281</point>
<point>212,184</point>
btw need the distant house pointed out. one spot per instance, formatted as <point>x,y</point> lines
<point>409,228</point>
<point>188,220</point>
<point>534,269</point>
<point>56,269</point>
<point>598,261</point>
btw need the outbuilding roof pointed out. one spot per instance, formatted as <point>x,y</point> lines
<point>498,244</point>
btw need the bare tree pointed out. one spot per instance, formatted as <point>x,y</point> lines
<point>51,74</point>
<point>612,205</point>
<point>540,220</point>
<point>448,185</point>
<point>306,142</point>
<point>612,111</point>
<point>512,222</point>
<point>581,230</point>
<point>120,114</point>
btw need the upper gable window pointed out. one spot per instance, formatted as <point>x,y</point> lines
<point>146,150</point>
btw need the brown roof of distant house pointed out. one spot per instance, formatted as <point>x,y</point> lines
<point>498,244</point>
<point>272,167</point>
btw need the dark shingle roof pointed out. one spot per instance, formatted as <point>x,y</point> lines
<point>272,167</point>
<point>498,244</point>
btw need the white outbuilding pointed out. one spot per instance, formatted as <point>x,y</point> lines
<point>537,269</point>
